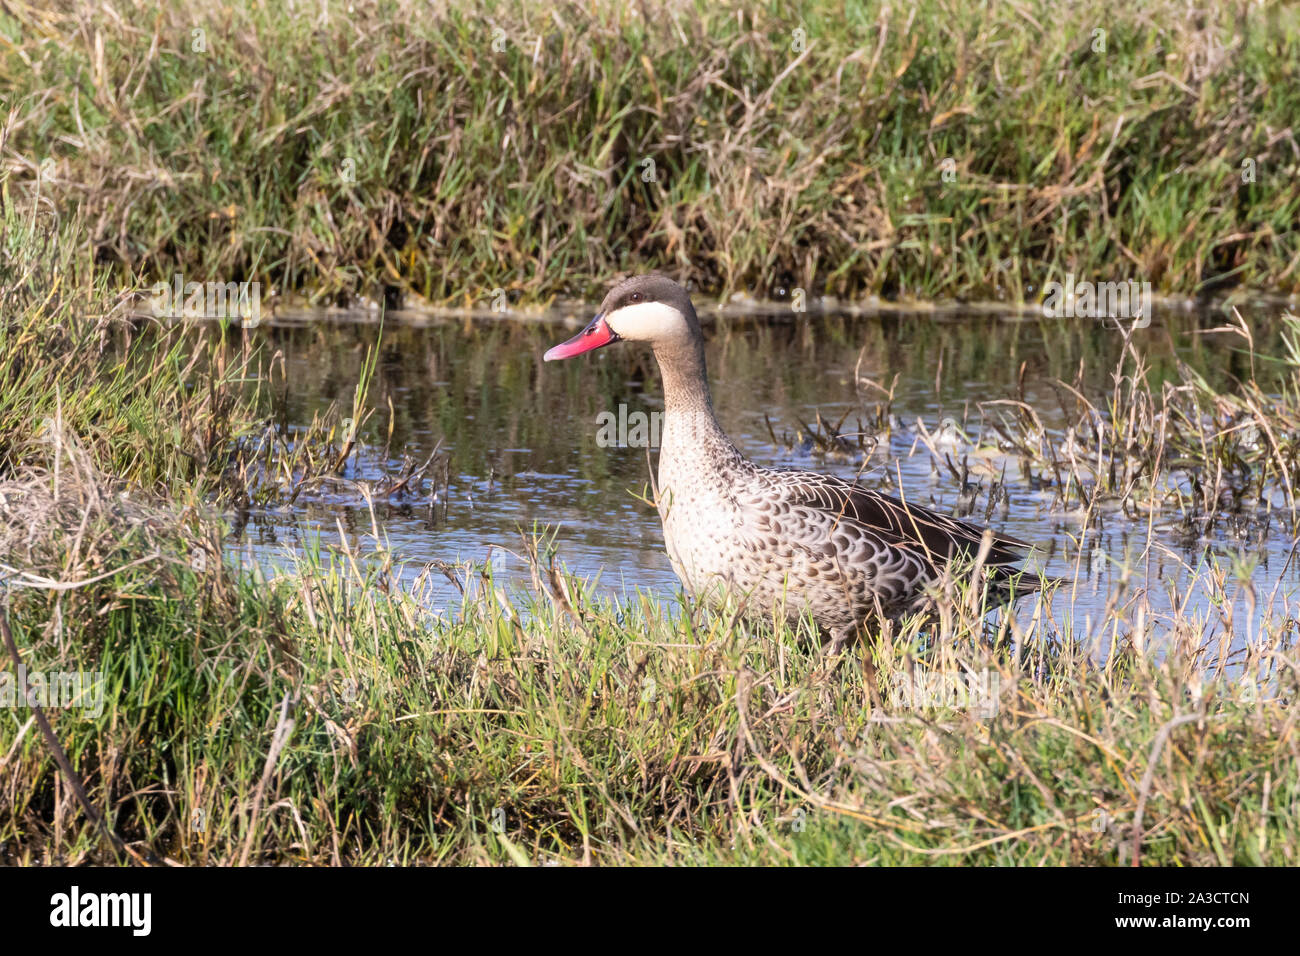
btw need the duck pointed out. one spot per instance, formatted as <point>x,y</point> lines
<point>784,542</point>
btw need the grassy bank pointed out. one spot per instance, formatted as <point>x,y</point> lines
<point>327,716</point>
<point>927,150</point>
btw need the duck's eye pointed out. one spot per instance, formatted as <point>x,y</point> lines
<point>636,296</point>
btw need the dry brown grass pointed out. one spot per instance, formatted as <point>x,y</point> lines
<point>939,150</point>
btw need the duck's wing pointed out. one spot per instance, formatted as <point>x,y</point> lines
<point>909,525</point>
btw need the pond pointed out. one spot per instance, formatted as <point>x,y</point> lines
<point>523,446</point>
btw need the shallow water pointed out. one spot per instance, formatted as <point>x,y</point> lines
<point>521,438</point>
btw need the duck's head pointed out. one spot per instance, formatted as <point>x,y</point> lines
<point>649,308</point>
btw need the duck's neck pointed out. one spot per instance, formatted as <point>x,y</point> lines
<point>691,430</point>
<point>686,381</point>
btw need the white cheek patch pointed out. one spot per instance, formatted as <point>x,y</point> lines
<point>647,322</point>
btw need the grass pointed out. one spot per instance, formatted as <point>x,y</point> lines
<point>154,411</point>
<point>1213,455</point>
<point>327,716</point>
<point>930,150</point>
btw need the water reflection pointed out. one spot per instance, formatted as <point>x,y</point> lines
<point>522,447</point>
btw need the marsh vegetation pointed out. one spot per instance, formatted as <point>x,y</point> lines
<point>371,591</point>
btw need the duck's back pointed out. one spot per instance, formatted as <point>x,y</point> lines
<point>798,541</point>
